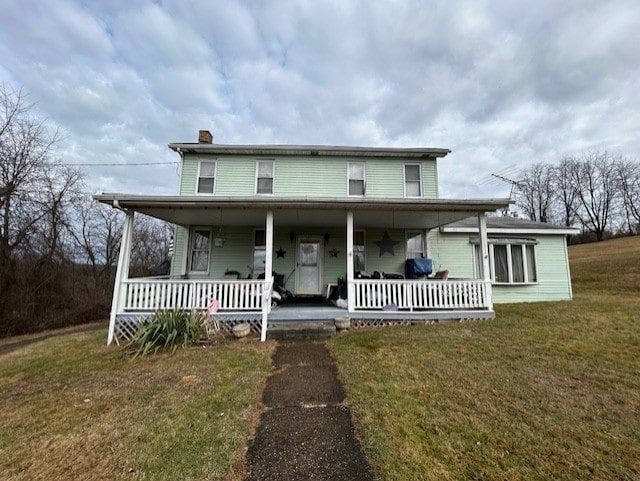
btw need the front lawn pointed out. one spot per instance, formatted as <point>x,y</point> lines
<point>545,391</point>
<point>73,408</point>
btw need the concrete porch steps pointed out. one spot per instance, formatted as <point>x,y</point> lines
<point>298,330</point>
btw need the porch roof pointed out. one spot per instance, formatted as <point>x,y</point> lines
<point>309,211</point>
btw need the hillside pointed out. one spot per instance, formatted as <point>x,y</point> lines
<point>612,265</point>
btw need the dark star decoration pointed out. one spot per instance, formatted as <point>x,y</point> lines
<point>386,244</point>
<point>280,253</point>
<point>334,252</point>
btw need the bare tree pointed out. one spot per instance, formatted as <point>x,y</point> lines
<point>628,184</point>
<point>535,193</point>
<point>565,193</point>
<point>594,181</point>
<point>34,198</point>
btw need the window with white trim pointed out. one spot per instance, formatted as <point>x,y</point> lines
<point>200,250</point>
<point>206,177</point>
<point>359,252</point>
<point>259,252</point>
<point>415,244</point>
<point>356,180</point>
<point>264,176</point>
<point>512,261</point>
<point>412,180</point>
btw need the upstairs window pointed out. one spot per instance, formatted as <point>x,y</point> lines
<point>356,178</point>
<point>200,250</point>
<point>512,261</point>
<point>264,177</point>
<point>412,180</point>
<point>415,244</point>
<point>206,177</point>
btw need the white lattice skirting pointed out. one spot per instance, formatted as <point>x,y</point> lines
<point>127,325</point>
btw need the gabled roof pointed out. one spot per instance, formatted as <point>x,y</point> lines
<point>508,225</point>
<point>309,150</point>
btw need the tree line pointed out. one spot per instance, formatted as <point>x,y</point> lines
<point>595,191</point>
<point>58,248</point>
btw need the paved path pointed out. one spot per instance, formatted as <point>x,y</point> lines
<point>306,432</point>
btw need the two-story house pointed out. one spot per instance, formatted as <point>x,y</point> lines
<point>319,215</point>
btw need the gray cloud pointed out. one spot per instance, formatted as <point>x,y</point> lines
<point>502,84</point>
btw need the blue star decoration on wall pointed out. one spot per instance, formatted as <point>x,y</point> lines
<point>386,244</point>
<point>280,253</point>
<point>334,252</point>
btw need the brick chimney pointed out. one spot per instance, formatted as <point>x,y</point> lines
<point>205,137</point>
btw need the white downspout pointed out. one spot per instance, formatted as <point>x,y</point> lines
<point>484,254</point>
<point>268,273</point>
<point>122,273</point>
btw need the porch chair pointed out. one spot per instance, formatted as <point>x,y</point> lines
<point>441,275</point>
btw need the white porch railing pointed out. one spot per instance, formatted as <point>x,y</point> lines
<point>231,295</point>
<point>387,294</point>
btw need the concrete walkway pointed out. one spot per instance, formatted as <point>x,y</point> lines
<point>306,432</point>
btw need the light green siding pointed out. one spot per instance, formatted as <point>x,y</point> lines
<point>455,253</point>
<point>323,177</point>
<point>236,254</point>
<point>305,176</point>
<point>554,282</point>
<point>451,252</point>
<point>188,175</point>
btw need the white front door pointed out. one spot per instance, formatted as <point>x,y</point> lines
<point>309,266</point>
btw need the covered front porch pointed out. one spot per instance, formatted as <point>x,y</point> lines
<point>325,240</point>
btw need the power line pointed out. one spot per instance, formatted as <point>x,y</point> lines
<point>119,164</point>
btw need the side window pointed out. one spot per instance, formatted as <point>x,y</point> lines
<point>412,180</point>
<point>200,250</point>
<point>264,176</point>
<point>259,252</point>
<point>206,177</point>
<point>415,244</point>
<point>510,262</point>
<point>359,251</point>
<point>356,179</point>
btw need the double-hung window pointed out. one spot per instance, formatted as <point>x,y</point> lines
<point>206,177</point>
<point>259,252</point>
<point>412,180</point>
<point>359,251</point>
<point>512,261</point>
<point>264,176</point>
<point>415,244</point>
<point>356,181</point>
<point>200,250</point>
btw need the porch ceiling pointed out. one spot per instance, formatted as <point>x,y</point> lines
<point>298,211</point>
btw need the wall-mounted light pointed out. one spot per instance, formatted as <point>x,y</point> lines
<point>326,237</point>
<point>292,236</point>
<point>218,240</point>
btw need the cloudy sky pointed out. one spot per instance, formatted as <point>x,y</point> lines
<point>503,83</point>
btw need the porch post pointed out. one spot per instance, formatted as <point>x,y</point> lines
<point>122,273</point>
<point>484,253</point>
<point>351,288</point>
<point>268,272</point>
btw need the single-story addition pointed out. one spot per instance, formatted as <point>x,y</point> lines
<point>269,233</point>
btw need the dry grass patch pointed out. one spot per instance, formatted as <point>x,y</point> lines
<point>545,391</point>
<point>75,409</point>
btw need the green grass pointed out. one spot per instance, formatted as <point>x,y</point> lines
<point>544,391</point>
<point>74,409</point>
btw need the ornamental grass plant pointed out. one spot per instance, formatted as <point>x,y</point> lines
<point>167,330</point>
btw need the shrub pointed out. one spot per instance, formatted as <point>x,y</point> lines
<point>168,330</point>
